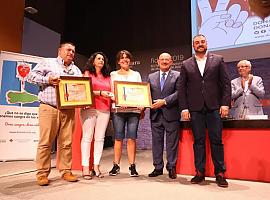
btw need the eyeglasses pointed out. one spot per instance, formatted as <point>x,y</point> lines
<point>243,66</point>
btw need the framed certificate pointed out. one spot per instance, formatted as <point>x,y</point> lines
<point>132,94</point>
<point>73,92</point>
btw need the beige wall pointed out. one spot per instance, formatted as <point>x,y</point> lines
<point>11,25</point>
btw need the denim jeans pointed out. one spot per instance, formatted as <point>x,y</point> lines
<point>120,120</point>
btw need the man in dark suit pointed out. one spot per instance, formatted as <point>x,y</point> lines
<point>204,98</point>
<point>164,115</point>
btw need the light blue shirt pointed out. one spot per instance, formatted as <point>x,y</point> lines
<point>160,76</point>
<point>50,67</point>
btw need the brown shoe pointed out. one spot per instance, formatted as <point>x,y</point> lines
<point>68,176</point>
<point>42,180</point>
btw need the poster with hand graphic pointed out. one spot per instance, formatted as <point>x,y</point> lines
<point>228,24</point>
<point>18,107</point>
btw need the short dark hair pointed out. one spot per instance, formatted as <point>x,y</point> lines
<point>120,54</point>
<point>105,71</point>
<point>64,43</point>
<point>198,35</point>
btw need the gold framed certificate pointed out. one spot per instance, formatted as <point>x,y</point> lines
<point>74,92</point>
<point>132,94</point>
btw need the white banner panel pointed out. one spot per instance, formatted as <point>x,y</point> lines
<point>19,132</point>
<point>18,107</point>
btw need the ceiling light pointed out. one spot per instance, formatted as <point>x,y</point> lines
<point>31,10</point>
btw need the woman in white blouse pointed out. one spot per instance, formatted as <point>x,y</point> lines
<point>125,116</point>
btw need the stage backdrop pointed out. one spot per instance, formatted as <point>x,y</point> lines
<point>18,107</point>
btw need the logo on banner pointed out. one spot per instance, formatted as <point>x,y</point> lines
<point>19,103</point>
<point>23,69</point>
<point>22,96</point>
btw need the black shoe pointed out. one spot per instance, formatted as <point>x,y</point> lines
<point>198,178</point>
<point>115,170</point>
<point>132,171</point>
<point>156,172</point>
<point>172,173</point>
<point>221,180</point>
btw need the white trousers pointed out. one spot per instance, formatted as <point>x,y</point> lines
<point>94,123</point>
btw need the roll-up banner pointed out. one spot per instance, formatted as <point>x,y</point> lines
<point>18,107</point>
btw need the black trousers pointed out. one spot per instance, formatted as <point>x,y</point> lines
<point>200,121</point>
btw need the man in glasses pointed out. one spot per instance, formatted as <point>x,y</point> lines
<point>52,121</point>
<point>246,92</point>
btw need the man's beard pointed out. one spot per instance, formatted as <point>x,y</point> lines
<point>203,51</point>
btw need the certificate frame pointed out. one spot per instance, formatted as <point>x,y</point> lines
<point>74,92</point>
<point>132,94</point>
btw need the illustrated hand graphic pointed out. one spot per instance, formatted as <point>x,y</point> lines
<point>221,27</point>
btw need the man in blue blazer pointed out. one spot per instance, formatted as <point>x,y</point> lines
<point>204,98</point>
<point>164,115</point>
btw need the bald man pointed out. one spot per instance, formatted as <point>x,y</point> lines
<point>164,115</point>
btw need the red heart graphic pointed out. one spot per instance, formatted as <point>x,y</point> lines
<point>23,70</point>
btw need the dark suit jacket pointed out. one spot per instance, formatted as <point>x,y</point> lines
<point>170,111</point>
<point>212,89</point>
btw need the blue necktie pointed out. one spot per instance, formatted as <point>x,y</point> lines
<point>162,80</point>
